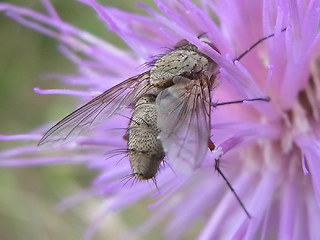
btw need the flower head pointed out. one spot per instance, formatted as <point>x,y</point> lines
<point>272,149</point>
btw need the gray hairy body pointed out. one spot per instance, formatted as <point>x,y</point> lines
<point>182,65</point>
<point>144,148</point>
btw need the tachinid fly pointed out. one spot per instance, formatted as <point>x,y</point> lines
<point>172,113</point>
<point>181,80</point>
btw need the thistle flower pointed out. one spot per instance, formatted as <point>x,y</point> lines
<point>268,151</point>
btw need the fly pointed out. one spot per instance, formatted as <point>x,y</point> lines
<point>181,80</point>
<point>180,83</point>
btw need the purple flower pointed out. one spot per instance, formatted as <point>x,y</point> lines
<point>269,151</point>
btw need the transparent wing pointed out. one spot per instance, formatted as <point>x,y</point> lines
<point>184,121</point>
<point>97,110</point>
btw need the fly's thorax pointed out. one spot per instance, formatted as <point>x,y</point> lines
<point>144,148</point>
<point>184,61</point>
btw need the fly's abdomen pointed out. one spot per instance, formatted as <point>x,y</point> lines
<point>144,148</point>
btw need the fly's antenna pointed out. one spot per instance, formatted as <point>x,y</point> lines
<point>231,188</point>
<point>257,43</point>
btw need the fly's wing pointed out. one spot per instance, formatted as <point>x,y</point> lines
<point>184,121</point>
<point>96,111</point>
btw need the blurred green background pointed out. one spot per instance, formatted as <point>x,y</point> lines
<point>29,195</point>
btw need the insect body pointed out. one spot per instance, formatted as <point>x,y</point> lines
<point>171,116</point>
<point>181,80</point>
<point>144,148</point>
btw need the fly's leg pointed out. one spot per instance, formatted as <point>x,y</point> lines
<point>267,99</point>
